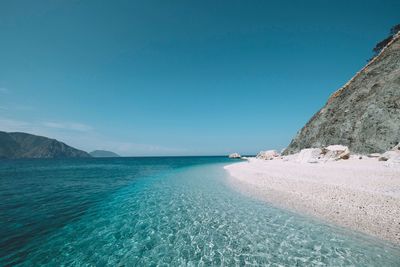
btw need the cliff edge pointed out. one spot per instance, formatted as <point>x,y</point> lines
<point>364,114</point>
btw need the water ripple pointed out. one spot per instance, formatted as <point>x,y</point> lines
<point>183,216</point>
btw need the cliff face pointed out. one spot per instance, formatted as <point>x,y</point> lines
<point>23,145</point>
<point>364,114</point>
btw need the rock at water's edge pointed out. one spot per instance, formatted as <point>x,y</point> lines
<point>234,156</point>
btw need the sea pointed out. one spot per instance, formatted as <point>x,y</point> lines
<point>159,211</point>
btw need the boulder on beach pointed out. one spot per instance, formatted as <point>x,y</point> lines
<point>309,155</point>
<point>392,157</point>
<point>234,156</point>
<point>315,155</point>
<point>335,152</point>
<point>267,155</point>
<point>393,161</point>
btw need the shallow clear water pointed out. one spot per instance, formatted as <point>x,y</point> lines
<point>159,211</point>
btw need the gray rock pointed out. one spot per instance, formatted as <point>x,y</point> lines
<point>267,155</point>
<point>309,155</point>
<point>364,114</point>
<point>336,152</point>
<point>392,156</point>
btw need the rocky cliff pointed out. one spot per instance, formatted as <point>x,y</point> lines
<point>364,114</point>
<point>23,145</point>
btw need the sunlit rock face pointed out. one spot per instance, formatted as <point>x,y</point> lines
<point>364,114</point>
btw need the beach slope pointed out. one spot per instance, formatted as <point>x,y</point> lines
<point>361,194</point>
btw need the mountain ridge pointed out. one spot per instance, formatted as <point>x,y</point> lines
<point>16,145</point>
<point>103,154</point>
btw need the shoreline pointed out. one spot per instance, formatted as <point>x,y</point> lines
<point>361,195</point>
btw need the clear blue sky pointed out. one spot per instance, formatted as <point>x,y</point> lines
<point>179,77</point>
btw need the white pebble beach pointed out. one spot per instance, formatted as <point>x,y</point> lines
<point>360,194</point>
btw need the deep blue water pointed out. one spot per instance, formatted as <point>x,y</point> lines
<point>159,211</point>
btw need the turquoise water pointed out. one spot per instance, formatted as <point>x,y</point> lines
<point>159,211</point>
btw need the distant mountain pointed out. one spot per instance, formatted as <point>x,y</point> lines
<point>103,154</point>
<point>364,114</point>
<point>23,145</point>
